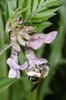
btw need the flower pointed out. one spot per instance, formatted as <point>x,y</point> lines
<point>15,68</point>
<point>23,36</point>
<point>35,64</point>
<point>28,66</point>
<point>14,73</point>
<point>33,59</point>
<point>37,40</point>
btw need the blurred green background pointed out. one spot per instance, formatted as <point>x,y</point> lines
<point>54,86</point>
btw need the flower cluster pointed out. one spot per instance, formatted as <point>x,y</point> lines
<point>23,36</point>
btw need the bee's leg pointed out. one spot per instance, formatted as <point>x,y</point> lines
<point>38,82</point>
<point>34,86</point>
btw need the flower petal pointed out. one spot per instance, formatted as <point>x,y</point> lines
<point>29,53</point>
<point>28,28</point>
<point>32,58</point>
<point>24,66</point>
<point>39,61</point>
<point>35,44</point>
<point>14,55</point>
<point>21,40</point>
<point>12,73</point>
<point>24,34</point>
<point>16,46</point>
<point>12,64</point>
<point>37,40</point>
<point>17,73</point>
<point>50,37</point>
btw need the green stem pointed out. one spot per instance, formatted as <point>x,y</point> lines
<point>5,49</point>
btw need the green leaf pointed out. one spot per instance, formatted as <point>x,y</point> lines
<point>14,15</point>
<point>3,67</point>
<point>24,81</point>
<point>11,5</point>
<point>20,3</point>
<point>41,2</point>
<point>24,6</point>
<point>46,14</point>
<point>44,17</point>
<point>40,27</point>
<point>35,5</point>
<point>33,20</point>
<point>42,9</point>
<point>28,11</point>
<point>5,83</point>
<point>52,2</point>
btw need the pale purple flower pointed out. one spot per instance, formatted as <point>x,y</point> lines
<point>14,73</point>
<point>33,59</point>
<point>37,40</point>
<point>34,64</point>
<point>12,64</point>
<point>34,40</point>
<point>15,68</point>
<point>22,36</point>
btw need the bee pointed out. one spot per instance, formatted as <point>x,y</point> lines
<point>37,74</point>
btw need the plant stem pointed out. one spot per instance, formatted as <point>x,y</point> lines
<point>5,49</point>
